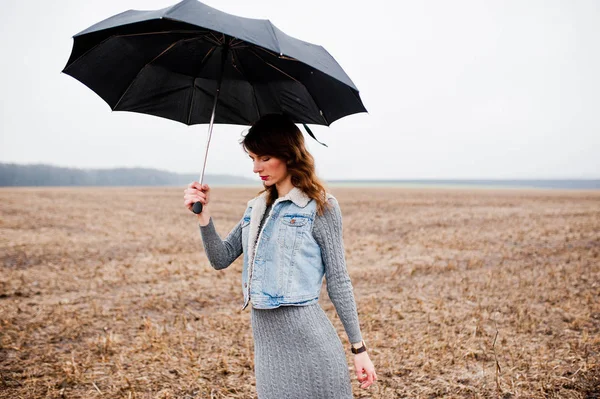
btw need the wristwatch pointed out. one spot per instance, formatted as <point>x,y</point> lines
<point>359,348</point>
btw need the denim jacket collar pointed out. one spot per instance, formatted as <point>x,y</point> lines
<point>295,195</point>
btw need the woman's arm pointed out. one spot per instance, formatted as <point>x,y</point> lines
<point>221,253</point>
<point>327,231</point>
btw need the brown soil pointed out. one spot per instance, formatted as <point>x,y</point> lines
<point>106,293</point>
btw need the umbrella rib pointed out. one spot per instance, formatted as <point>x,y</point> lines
<point>212,40</point>
<point>137,34</point>
<point>296,80</point>
<point>235,41</point>
<point>148,63</point>
<point>154,59</point>
<point>141,69</point>
<point>217,40</point>
<point>161,33</point>
<point>287,58</point>
<point>280,56</point>
<point>248,80</point>
<point>274,67</point>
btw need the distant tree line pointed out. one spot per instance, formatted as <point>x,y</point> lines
<point>47,175</point>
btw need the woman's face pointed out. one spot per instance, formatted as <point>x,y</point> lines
<point>270,169</point>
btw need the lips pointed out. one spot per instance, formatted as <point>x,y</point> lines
<point>264,177</point>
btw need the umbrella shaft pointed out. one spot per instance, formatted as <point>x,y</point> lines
<point>224,51</point>
<point>210,129</point>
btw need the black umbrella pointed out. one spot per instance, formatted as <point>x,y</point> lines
<point>178,62</point>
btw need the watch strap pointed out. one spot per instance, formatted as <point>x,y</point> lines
<point>360,349</point>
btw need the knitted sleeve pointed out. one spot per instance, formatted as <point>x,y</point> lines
<point>327,231</point>
<point>221,253</point>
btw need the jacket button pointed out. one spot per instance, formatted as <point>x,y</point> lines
<point>293,221</point>
<point>245,285</point>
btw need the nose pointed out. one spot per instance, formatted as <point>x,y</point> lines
<point>257,167</point>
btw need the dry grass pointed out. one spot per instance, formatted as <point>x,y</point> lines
<point>106,293</point>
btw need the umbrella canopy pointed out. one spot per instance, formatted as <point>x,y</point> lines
<point>172,63</point>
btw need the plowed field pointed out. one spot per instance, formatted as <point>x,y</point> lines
<point>107,293</point>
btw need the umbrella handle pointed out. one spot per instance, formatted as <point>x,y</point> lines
<point>197,208</point>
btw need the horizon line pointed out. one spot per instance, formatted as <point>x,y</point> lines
<point>337,179</point>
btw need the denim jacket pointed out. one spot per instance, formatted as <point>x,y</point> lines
<point>282,263</point>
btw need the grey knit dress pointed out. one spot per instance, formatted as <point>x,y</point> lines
<point>297,352</point>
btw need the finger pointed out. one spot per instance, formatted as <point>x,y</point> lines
<point>195,194</point>
<point>370,379</point>
<point>370,376</point>
<point>195,185</point>
<point>192,191</point>
<point>202,198</point>
<point>189,197</point>
<point>194,198</point>
<point>205,187</point>
<point>367,383</point>
<point>361,377</point>
<point>189,201</point>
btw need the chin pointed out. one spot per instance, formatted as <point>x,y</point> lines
<point>269,183</point>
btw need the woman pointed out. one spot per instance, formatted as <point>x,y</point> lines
<point>291,236</point>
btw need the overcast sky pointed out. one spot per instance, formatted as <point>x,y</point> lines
<point>454,89</point>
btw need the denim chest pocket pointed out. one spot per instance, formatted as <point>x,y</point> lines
<point>245,221</point>
<point>293,226</point>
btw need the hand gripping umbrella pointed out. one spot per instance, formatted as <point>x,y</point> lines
<point>180,61</point>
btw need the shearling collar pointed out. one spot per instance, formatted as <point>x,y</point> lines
<point>297,196</point>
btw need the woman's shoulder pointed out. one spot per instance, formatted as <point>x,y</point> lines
<point>331,200</point>
<point>332,208</point>
<point>330,220</point>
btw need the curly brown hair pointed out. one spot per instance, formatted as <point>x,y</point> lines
<point>277,136</point>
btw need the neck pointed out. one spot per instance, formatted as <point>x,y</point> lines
<point>284,187</point>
